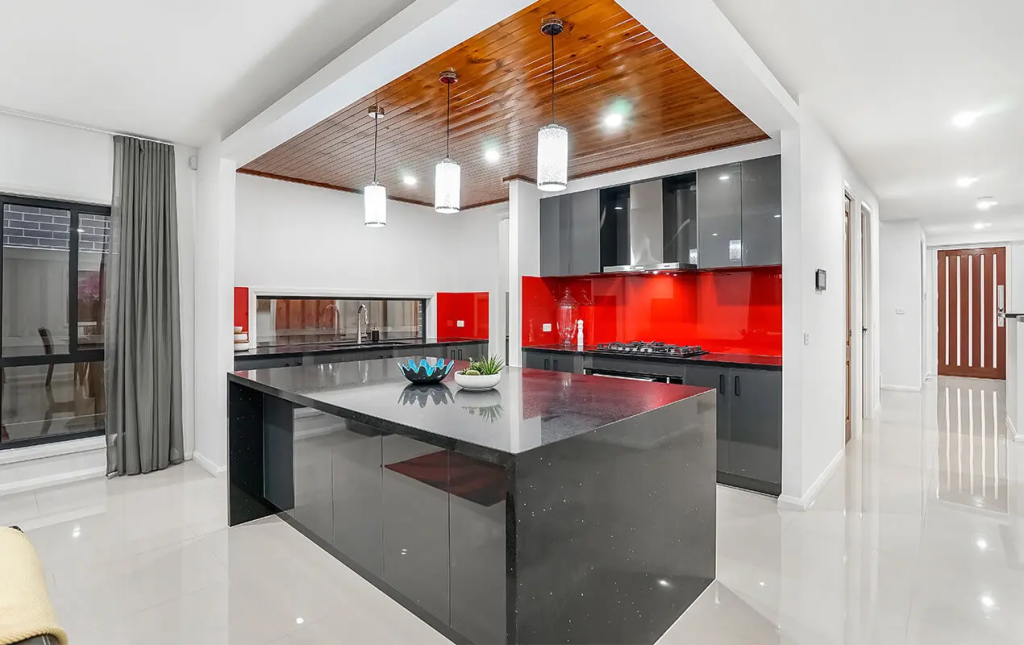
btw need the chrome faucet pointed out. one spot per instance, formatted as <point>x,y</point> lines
<point>362,322</point>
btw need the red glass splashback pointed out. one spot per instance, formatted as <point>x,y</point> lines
<point>242,308</point>
<point>735,311</point>
<point>472,309</point>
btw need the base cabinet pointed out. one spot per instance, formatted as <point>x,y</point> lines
<point>749,424</point>
<point>553,362</point>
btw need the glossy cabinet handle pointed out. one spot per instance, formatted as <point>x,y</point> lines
<point>721,383</point>
<point>547,364</point>
<point>736,384</point>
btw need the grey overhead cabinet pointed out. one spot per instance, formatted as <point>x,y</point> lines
<point>739,214</point>
<point>762,211</point>
<point>720,217</point>
<point>570,234</point>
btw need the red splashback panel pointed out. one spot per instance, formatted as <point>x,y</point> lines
<point>471,308</point>
<point>736,310</point>
<point>242,308</point>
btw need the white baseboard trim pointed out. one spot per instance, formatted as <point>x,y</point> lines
<point>1014,434</point>
<point>811,495</point>
<point>208,465</point>
<point>59,479</point>
<point>902,388</point>
<point>56,449</point>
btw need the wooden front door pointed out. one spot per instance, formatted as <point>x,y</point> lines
<point>972,333</point>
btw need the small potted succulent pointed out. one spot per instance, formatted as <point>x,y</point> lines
<point>481,374</point>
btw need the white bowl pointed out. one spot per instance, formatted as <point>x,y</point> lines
<point>477,383</point>
<point>238,330</point>
<point>242,337</point>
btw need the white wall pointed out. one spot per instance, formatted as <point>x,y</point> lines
<point>901,303</point>
<point>293,236</point>
<point>815,176</point>
<point>45,159</point>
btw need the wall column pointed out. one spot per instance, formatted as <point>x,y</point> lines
<point>523,257</point>
<point>214,302</point>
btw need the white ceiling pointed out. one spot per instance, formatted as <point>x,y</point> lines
<point>886,77</point>
<point>181,70</point>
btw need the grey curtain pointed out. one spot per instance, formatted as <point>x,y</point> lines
<point>143,340</point>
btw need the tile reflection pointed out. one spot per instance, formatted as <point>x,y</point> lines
<point>972,444</point>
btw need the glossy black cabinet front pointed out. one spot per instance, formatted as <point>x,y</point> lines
<point>415,505</point>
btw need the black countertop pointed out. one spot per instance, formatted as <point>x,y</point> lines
<point>349,346</point>
<point>718,359</point>
<point>528,409</point>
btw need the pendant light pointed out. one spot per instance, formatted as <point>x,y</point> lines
<point>448,174</point>
<point>552,139</point>
<point>375,196</point>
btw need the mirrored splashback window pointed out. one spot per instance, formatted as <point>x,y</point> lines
<point>308,320</point>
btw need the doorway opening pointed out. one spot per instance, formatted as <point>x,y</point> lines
<point>971,299</point>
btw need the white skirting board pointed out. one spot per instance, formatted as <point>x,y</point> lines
<point>51,464</point>
<point>809,497</point>
<point>208,465</point>
<point>1015,435</point>
<point>902,388</point>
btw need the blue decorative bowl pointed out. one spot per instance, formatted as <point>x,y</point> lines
<point>427,370</point>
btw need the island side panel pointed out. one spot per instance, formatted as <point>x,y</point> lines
<point>615,529</point>
<point>245,455</point>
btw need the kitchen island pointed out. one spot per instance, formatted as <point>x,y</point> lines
<point>558,508</point>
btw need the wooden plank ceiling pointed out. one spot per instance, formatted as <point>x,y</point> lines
<point>604,60</point>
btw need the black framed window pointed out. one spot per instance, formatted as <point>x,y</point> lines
<point>53,304</point>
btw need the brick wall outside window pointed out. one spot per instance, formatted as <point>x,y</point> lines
<point>48,228</point>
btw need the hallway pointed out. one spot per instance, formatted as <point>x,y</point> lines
<point>918,539</point>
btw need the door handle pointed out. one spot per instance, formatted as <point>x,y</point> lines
<point>736,385</point>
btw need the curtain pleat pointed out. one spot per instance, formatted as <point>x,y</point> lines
<point>143,340</point>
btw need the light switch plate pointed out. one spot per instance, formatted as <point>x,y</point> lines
<point>460,323</point>
<point>546,327</point>
<point>900,312</point>
<point>807,339</point>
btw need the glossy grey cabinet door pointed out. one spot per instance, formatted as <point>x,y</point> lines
<point>554,237</point>
<point>415,515</point>
<point>358,486</point>
<point>762,211</point>
<point>720,217</point>
<point>755,448</point>
<point>585,232</point>
<point>716,377</point>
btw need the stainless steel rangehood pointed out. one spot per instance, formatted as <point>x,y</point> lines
<point>636,230</point>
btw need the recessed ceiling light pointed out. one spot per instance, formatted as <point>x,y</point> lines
<point>300,620</point>
<point>965,119</point>
<point>492,156</point>
<point>964,182</point>
<point>980,225</point>
<point>724,177</point>
<point>985,203</point>
<point>409,180</point>
<point>987,601</point>
<point>614,120</point>
<point>982,544</point>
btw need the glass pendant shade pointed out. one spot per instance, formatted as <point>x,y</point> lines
<point>447,185</point>
<point>375,204</point>
<point>552,158</point>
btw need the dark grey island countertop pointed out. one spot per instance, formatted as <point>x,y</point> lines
<point>529,408</point>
